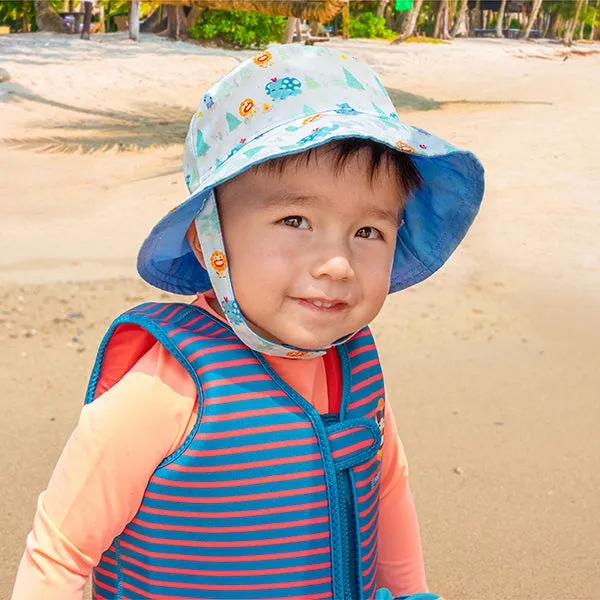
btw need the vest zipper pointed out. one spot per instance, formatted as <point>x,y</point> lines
<point>349,537</point>
<point>350,543</point>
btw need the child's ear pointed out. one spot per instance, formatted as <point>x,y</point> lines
<point>192,238</point>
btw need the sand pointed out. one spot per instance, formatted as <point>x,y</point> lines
<point>491,365</point>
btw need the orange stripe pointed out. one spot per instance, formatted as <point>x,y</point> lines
<point>353,448</point>
<point>253,447</point>
<point>217,435</point>
<point>371,581</point>
<point>186,326</point>
<point>369,539</point>
<point>311,596</point>
<point>229,573</point>
<point>194,338</point>
<point>370,553</point>
<point>339,434</point>
<point>369,569</point>
<point>258,412</point>
<point>173,312</point>
<point>104,586</point>
<point>366,466</point>
<point>292,539</point>
<point>274,393</point>
<point>242,529</point>
<point>235,558</point>
<point>230,587</point>
<point>238,379</point>
<point>241,466</point>
<point>365,365</point>
<point>106,573</point>
<point>368,494</point>
<point>366,399</point>
<point>214,349</point>
<point>241,498</point>
<point>367,481</point>
<point>366,382</point>
<point>361,350</point>
<point>237,362</point>
<point>367,510</point>
<point>241,482</point>
<point>235,513</point>
<point>370,523</point>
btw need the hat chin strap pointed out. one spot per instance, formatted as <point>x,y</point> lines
<point>208,228</point>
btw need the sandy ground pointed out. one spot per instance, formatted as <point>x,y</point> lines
<point>492,364</point>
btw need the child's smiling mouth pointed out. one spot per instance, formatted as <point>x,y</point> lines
<point>322,304</point>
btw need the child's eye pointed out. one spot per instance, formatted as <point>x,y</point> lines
<point>296,222</point>
<point>369,233</point>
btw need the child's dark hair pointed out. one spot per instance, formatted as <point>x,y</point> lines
<point>343,149</point>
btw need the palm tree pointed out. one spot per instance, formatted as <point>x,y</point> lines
<point>47,18</point>
<point>500,21</point>
<point>460,27</point>
<point>134,21</point>
<point>440,29</point>
<point>568,39</point>
<point>381,4</point>
<point>410,22</point>
<point>532,17</point>
<point>312,10</point>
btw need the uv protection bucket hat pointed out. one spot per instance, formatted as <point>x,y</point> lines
<point>286,100</point>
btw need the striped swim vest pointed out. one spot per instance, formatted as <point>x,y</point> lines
<point>266,498</point>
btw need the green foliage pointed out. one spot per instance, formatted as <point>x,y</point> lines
<point>367,25</point>
<point>238,28</point>
<point>11,14</point>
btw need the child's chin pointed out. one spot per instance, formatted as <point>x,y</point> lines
<point>311,343</point>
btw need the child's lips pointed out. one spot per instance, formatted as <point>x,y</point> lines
<point>325,305</point>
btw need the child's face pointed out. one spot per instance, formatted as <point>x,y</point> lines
<point>310,250</point>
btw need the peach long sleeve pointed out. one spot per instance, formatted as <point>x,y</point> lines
<point>100,478</point>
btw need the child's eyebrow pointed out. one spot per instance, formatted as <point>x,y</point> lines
<point>292,199</point>
<point>383,214</point>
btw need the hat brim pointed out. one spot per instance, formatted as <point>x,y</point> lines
<point>435,220</point>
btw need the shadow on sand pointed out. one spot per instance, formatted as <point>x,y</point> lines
<point>153,125</point>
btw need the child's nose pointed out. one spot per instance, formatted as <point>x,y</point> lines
<point>336,267</point>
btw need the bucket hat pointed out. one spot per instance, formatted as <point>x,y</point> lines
<point>290,98</point>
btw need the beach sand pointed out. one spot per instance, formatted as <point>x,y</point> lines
<point>491,364</point>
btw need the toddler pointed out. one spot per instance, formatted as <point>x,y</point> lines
<point>242,446</point>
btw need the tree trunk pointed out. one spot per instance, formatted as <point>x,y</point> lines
<point>478,15</point>
<point>290,28</point>
<point>532,17</point>
<point>451,13</point>
<point>100,5</point>
<point>580,36</point>
<point>441,21</point>
<point>438,18</point>
<point>568,39</point>
<point>381,7</point>
<point>175,17</point>
<point>460,27</point>
<point>410,22</point>
<point>500,21</point>
<point>26,17</point>
<point>596,17</point>
<point>193,15</point>
<point>134,21</point>
<point>47,18</point>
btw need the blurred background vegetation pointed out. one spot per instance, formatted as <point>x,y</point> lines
<point>399,20</point>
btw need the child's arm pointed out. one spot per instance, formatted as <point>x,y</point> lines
<point>399,556</point>
<point>100,478</point>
